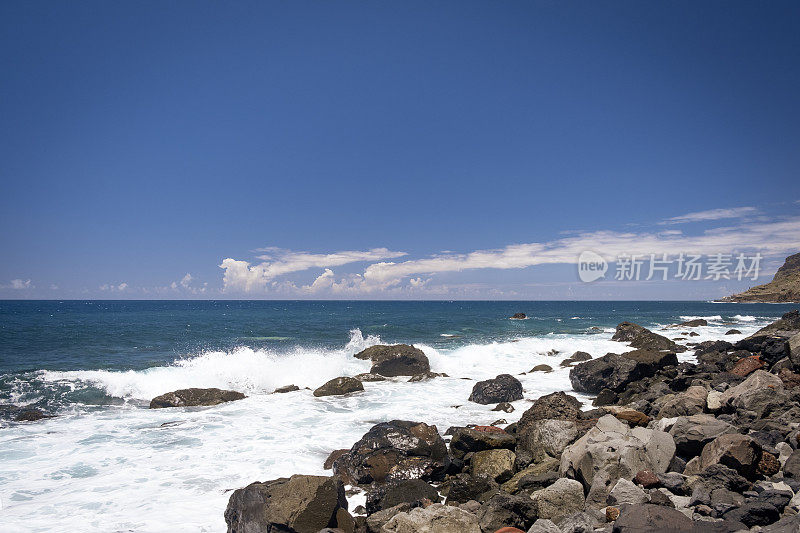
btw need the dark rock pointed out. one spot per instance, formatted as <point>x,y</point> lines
<point>791,468</point>
<point>504,407</point>
<point>506,510</point>
<point>463,488</point>
<point>640,337</point>
<point>31,415</point>
<point>605,397</point>
<point>768,465</point>
<point>712,346</point>
<point>388,495</point>
<point>659,498</point>
<point>393,451</point>
<point>779,498</point>
<point>733,332</point>
<point>285,389</point>
<point>519,316</point>
<point>754,514</point>
<point>395,360</point>
<point>647,479</point>
<point>557,406</point>
<point>467,440</point>
<point>503,388</point>
<point>541,368</point>
<point>646,518</point>
<point>425,376</point>
<point>615,372</point>
<point>339,386</point>
<point>692,433</point>
<point>693,323</point>
<point>736,451</point>
<point>335,454</point>
<point>300,503</point>
<point>366,377</point>
<point>787,524</point>
<point>376,521</point>
<point>195,397</point>
<point>675,483</point>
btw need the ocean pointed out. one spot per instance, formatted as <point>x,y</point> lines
<point>108,463</point>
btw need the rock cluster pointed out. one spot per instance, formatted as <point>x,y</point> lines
<point>679,447</point>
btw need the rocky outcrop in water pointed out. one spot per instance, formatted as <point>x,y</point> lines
<point>195,397</point>
<point>339,386</point>
<point>503,388</point>
<point>395,360</point>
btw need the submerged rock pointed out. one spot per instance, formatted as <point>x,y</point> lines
<point>300,503</point>
<point>195,397</point>
<point>503,388</point>
<point>339,386</point>
<point>519,316</point>
<point>31,415</point>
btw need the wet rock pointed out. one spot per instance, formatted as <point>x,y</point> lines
<point>733,332</point>
<point>436,518</point>
<point>577,357</point>
<point>300,503</point>
<point>541,368</point>
<point>692,433</point>
<point>388,495</point>
<point>503,388</point>
<point>506,510</point>
<point>497,465</point>
<point>504,407</point>
<point>463,488</point>
<point>367,377</point>
<point>392,451</point>
<point>334,455</point>
<point>285,389</point>
<point>605,397</point>
<point>425,376</point>
<point>735,451</point>
<point>519,316</point>
<point>395,360</point>
<point>611,450</point>
<point>31,415</point>
<point>693,323</point>
<point>615,372</point>
<point>195,397</point>
<point>467,440</point>
<point>339,386</point>
<point>642,338</point>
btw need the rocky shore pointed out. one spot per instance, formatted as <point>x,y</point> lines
<point>784,287</point>
<point>710,445</point>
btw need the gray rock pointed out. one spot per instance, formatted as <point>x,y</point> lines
<point>543,525</point>
<point>506,510</point>
<point>436,518</point>
<point>339,386</point>
<point>735,451</point>
<point>612,450</point>
<point>560,500</point>
<point>692,433</point>
<point>625,491</point>
<point>503,388</point>
<point>299,503</point>
<point>195,397</point>
<point>376,521</point>
<point>648,518</point>
<point>692,401</point>
<point>547,438</point>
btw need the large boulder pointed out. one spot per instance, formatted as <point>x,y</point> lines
<point>640,337</point>
<point>615,372</point>
<point>339,386</point>
<point>692,433</point>
<point>436,518</point>
<point>392,451</point>
<point>503,388</point>
<point>692,401</point>
<point>303,504</point>
<point>557,405</point>
<point>739,452</point>
<point>547,438</point>
<point>759,393</point>
<point>497,465</point>
<point>794,350</point>
<point>466,440</point>
<point>395,360</point>
<point>612,450</point>
<point>195,397</point>
<point>560,500</point>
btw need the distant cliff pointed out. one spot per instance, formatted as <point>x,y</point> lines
<point>784,287</point>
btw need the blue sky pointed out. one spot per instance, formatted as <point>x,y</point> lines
<point>141,142</point>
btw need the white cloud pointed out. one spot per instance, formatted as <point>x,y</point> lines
<point>711,214</point>
<point>114,288</point>
<point>772,238</point>
<point>18,284</point>
<point>242,276</point>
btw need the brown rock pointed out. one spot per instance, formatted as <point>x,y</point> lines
<point>633,418</point>
<point>748,365</point>
<point>790,379</point>
<point>768,465</point>
<point>612,513</point>
<point>646,478</point>
<point>335,454</point>
<point>733,450</point>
